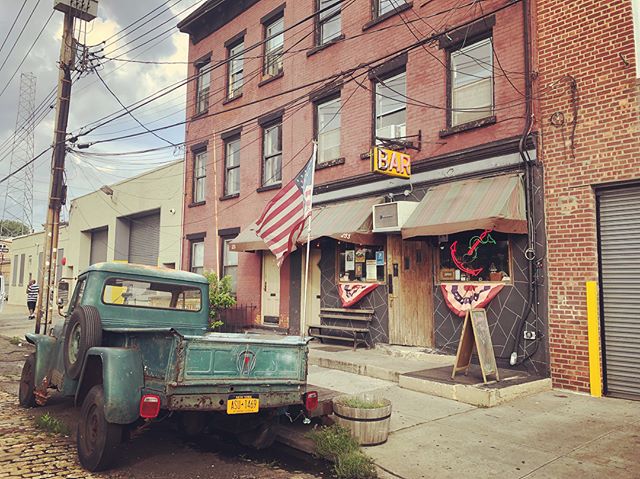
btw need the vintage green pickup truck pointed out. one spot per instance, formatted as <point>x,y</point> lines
<point>135,346</point>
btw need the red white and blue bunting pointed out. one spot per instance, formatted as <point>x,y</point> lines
<point>351,293</point>
<point>461,297</point>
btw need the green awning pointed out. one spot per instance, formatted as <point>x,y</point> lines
<point>496,203</point>
<point>350,221</point>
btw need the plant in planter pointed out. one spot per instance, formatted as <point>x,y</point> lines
<point>367,417</point>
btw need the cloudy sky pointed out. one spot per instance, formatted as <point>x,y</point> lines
<point>91,101</point>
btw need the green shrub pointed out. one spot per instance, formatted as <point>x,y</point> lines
<point>220,297</point>
<point>355,465</point>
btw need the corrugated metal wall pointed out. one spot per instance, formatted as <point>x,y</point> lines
<point>620,283</point>
<point>98,252</point>
<point>144,240</point>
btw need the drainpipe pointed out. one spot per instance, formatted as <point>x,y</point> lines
<point>530,253</point>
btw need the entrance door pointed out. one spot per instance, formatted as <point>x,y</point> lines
<point>270,289</point>
<point>313,290</point>
<point>411,292</point>
<point>619,220</point>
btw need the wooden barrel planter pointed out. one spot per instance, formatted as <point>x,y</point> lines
<point>366,418</point>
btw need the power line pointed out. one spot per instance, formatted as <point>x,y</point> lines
<point>20,34</point>
<point>13,25</point>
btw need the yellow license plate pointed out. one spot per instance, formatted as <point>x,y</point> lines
<point>243,404</point>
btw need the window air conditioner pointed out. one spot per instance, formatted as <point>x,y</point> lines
<point>389,217</point>
<point>391,132</point>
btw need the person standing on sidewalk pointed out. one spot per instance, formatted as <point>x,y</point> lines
<point>32,298</point>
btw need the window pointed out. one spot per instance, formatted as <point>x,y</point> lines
<point>386,6</point>
<point>232,166</point>
<point>156,295</point>
<point>391,108</point>
<point>197,257</point>
<point>479,256</point>
<point>21,275</point>
<point>230,264</point>
<point>329,21</point>
<point>274,46</point>
<point>77,295</point>
<point>236,70</point>
<point>14,267</point>
<point>328,130</point>
<point>272,154</point>
<point>361,263</point>
<point>199,176</point>
<point>202,86</point>
<point>471,82</point>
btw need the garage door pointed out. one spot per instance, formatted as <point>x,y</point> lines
<point>619,212</point>
<point>144,239</point>
<point>98,252</point>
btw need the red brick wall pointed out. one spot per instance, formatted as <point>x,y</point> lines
<point>591,42</point>
<point>426,82</point>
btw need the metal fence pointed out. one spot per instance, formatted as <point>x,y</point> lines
<point>237,318</point>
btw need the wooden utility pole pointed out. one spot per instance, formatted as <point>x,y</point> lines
<point>57,189</point>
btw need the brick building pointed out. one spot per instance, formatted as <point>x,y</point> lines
<point>443,83</point>
<point>590,147</point>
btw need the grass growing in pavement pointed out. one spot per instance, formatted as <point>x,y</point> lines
<point>336,444</point>
<point>49,423</point>
<point>15,341</point>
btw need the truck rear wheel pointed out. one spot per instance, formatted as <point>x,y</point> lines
<point>98,439</point>
<point>26,395</point>
<point>83,332</point>
<point>262,436</point>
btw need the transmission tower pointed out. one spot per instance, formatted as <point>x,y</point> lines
<point>18,199</point>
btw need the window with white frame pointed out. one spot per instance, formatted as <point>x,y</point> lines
<point>236,70</point>
<point>199,176</point>
<point>232,166</point>
<point>329,21</point>
<point>230,264</point>
<point>272,154</point>
<point>385,6</point>
<point>328,129</point>
<point>274,46</point>
<point>197,257</point>
<point>471,82</point>
<point>202,86</point>
<point>391,108</point>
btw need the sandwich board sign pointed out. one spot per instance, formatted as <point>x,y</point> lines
<point>475,332</point>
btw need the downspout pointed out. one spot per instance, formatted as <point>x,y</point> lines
<point>530,252</point>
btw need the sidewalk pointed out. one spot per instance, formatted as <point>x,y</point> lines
<point>551,434</point>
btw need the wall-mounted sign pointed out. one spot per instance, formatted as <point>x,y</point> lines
<point>391,163</point>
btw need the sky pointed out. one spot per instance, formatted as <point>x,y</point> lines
<point>90,99</point>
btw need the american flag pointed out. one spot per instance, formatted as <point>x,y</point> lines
<point>284,217</point>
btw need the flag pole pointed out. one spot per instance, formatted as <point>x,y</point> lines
<point>303,316</point>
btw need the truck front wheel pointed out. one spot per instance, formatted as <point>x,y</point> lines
<point>26,395</point>
<point>98,439</point>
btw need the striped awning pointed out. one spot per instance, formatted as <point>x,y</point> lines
<point>496,203</point>
<point>349,221</point>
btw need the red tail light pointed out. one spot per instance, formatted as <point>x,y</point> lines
<point>149,406</point>
<point>311,400</point>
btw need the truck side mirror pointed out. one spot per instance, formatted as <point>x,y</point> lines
<point>60,305</point>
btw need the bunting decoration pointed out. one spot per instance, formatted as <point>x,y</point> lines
<point>462,297</point>
<point>351,293</point>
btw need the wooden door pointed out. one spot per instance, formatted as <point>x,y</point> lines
<point>411,294</point>
<point>270,289</point>
<point>313,290</point>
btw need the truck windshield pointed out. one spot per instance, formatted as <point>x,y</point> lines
<point>147,294</point>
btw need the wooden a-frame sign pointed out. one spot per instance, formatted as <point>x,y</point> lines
<point>475,332</point>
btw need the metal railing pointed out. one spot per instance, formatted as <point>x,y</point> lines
<point>237,318</point>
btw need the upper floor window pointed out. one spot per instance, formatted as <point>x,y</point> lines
<point>203,83</point>
<point>328,129</point>
<point>471,82</point>
<point>384,6</point>
<point>199,176</point>
<point>391,108</point>
<point>232,166</point>
<point>197,257</point>
<point>274,46</point>
<point>272,154</point>
<point>329,21</point>
<point>236,70</point>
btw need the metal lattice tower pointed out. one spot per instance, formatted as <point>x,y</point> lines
<point>18,199</point>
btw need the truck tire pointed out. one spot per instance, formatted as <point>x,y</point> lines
<point>262,436</point>
<point>26,396</point>
<point>98,440</point>
<point>83,332</point>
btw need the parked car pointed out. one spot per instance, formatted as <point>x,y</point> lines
<point>135,346</point>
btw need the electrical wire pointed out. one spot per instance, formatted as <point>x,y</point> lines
<point>20,35</point>
<point>13,25</point>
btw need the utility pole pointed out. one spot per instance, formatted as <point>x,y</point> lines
<point>85,10</point>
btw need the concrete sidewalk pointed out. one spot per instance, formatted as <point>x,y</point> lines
<point>551,434</point>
